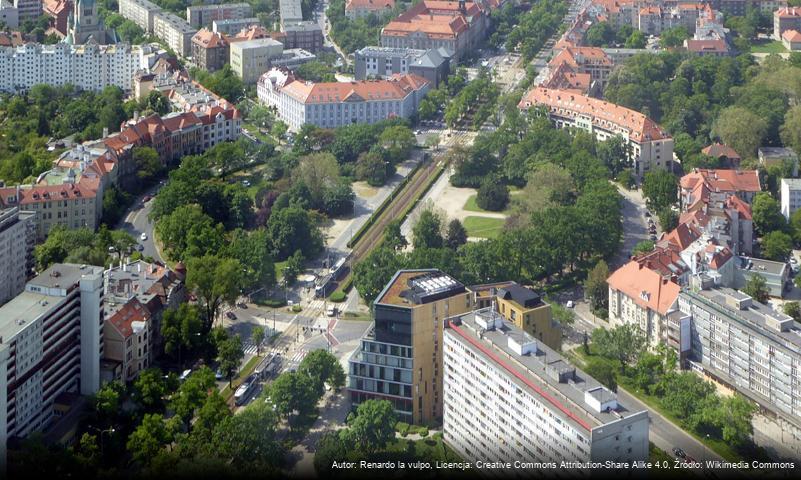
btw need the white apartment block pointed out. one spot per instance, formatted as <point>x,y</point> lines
<point>790,196</point>
<point>747,346</point>
<point>202,15</point>
<point>251,58</point>
<point>334,104</point>
<point>651,146</point>
<point>28,9</point>
<point>232,26</point>
<point>141,12</point>
<point>175,32</point>
<point>509,398</point>
<point>51,342</point>
<point>17,238</point>
<point>9,14</point>
<point>88,67</point>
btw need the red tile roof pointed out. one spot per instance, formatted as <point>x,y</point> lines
<point>646,287</point>
<point>717,150</point>
<point>369,4</point>
<point>205,38</point>
<point>397,87</point>
<point>701,46</point>
<point>122,319</point>
<point>791,36</point>
<point>788,12</point>
<point>722,180</point>
<point>436,19</point>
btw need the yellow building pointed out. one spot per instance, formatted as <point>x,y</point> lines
<point>522,306</point>
<point>400,358</point>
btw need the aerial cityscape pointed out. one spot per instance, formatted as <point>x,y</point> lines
<point>341,238</point>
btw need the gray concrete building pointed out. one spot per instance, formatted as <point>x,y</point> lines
<point>306,35</point>
<point>175,32</point>
<point>17,239</point>
<point>141,12</point>
<point>202,15</point>
<point>232,26</point>
<point>383,62</point>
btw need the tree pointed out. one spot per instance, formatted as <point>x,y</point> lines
<point>791,128</point>
<point>192,394</point>
<point>181,329</point>
<point>600,34</point>
<point>248,439</point>
<point>187,232</point>
<point>644,246</point>
<point>595,288</point>
<point>456,235</point>
<point>733,417</point>
<point>741,129</point>
<point>257,337</point>
<point>107,401</point>
<point>148,165</point>
<point>795,225</point>
<point>371,167</point>
<point>668,218</point>
<point>215,281</point>
<point>151,388</point>
<point>623,343</point>
<point>757,288</point>
<point>372,426</point>
<point>565,316</point>
<point>766,213</point>
<point>323,367</point>
<point>230,355</point>
<point>294,267</point>
<point>290,228</point>
<point>318,172</point>
<point>426,231</point>
<point>777,246</point>
<point>492,195</point>
<point>330,448</point>
<point>636,40</point>
<point>213,412</point>
<point>293,392</point>
<point>339,199</point>
<point>673,37</point>
<point>397,141</point>
<point>394,239</point>
<point>660,188</point>
<point>372,274</point>
<point>148,439</point>
<point>604,370</point>
<point>793,309</point>
<point>252,249</point>
<point>279,130</point>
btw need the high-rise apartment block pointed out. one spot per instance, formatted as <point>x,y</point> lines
<point>17,238</point>
<point>508,397</point>
<point>400,358</point>
<point>202,15</point>
<point>51,342</point>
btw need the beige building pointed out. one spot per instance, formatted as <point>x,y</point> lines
<point>400,358</point>
<point>523,307</point>
<point>141,12</point>
<point>128,339</point>
<point>175,32</point>
<point>251,58</point>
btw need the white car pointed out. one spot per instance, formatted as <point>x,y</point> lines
<point>331,311</point>
<point>570,304</point>
<point>143,236</point>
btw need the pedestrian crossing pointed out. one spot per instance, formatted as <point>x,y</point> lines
<point>250,348</point>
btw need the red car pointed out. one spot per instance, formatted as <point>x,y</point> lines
<point>147,198</point>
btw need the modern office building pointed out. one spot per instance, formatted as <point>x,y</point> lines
<point>202,15</point>
<point>521,306</point>
<point>175,32</point>
<point>400,358</point>
<point>383,62</point>
<point>252,58</point>
<point>509,398</point>
<point>51,342</point>
<point>651,146</point>
<point>292,59</point>
<point>333,104</point>
<point>141,12</point>
<point>790,196</point>
<point>745,345</point>
<point>17,239</point>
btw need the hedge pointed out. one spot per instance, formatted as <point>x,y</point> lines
<point>338,296</point>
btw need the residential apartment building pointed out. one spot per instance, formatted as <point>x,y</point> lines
<point>333,104</point>
<point>784,157</point>
<point>791,39</point>
<point>305,35</point>
<point>128,338</point>
<point>252,58</point>
<point>9,14</point>
<point>521,306</point>
<point>400,358</point>
<point>590,61</point>
<point>790,196</point>
<point>59,11</point>
<point>28,9</point>
<point>651,146</point>
<point>363,8</point>
<point>51,343</point>
<point>202,15</point>
<point>458,26</point>
<point>230,26</point>
<point>788,18</point>
<point>210,50</point>
<point>746,346</point>
<point>702,186</point>
<point>383,62</point>
<point>17,239</point>
<point>724,154</point>
<point>141,12</point>
<point>509,398</point>
<point>88,67</point>
<point>292,59</point>
<point>175,32</point>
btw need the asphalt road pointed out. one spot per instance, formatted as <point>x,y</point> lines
<point>135,221</point>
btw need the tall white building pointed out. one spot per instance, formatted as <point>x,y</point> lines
<point>28,9</point>
<point>141,12</point>
<point>508,397</point>
<point>334,104</point>
<point>175,32</point>
<point>17,238</point>
<point>51,342</point>
<point>89,67</point>
<point>790,196</point>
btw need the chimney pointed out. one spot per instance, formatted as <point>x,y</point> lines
<point>136,116</point>
<point>105,132</point>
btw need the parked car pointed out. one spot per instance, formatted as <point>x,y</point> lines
<point>652,237</point>
<point>140,247</point>
<point>331,311</point>
<point>185,374</point>
<point>218,375</point>
<point>679,452</point>
<point>570,304</point>
<point>647,213</point>
<point>143,236</point>
<point>230,315</point>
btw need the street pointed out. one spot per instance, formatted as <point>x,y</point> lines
<point>135,222</point>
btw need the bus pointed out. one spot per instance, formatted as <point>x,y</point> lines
<point>244,392</point>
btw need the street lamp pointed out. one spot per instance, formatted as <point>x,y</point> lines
<point>109,431</point>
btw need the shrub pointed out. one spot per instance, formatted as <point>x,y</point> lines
<point>272,302</point>
<point>492,196</point>
<point>422,431</point>
<point>402,428</point>
<point>296,308</point>
<point>338,296</point>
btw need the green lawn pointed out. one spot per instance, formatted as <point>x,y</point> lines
<point>254,130</point>
<point>770,46</point>
<point>471,206</point>
<point>243,374</point>
<point>483,227</point>
<point>279,269</point>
